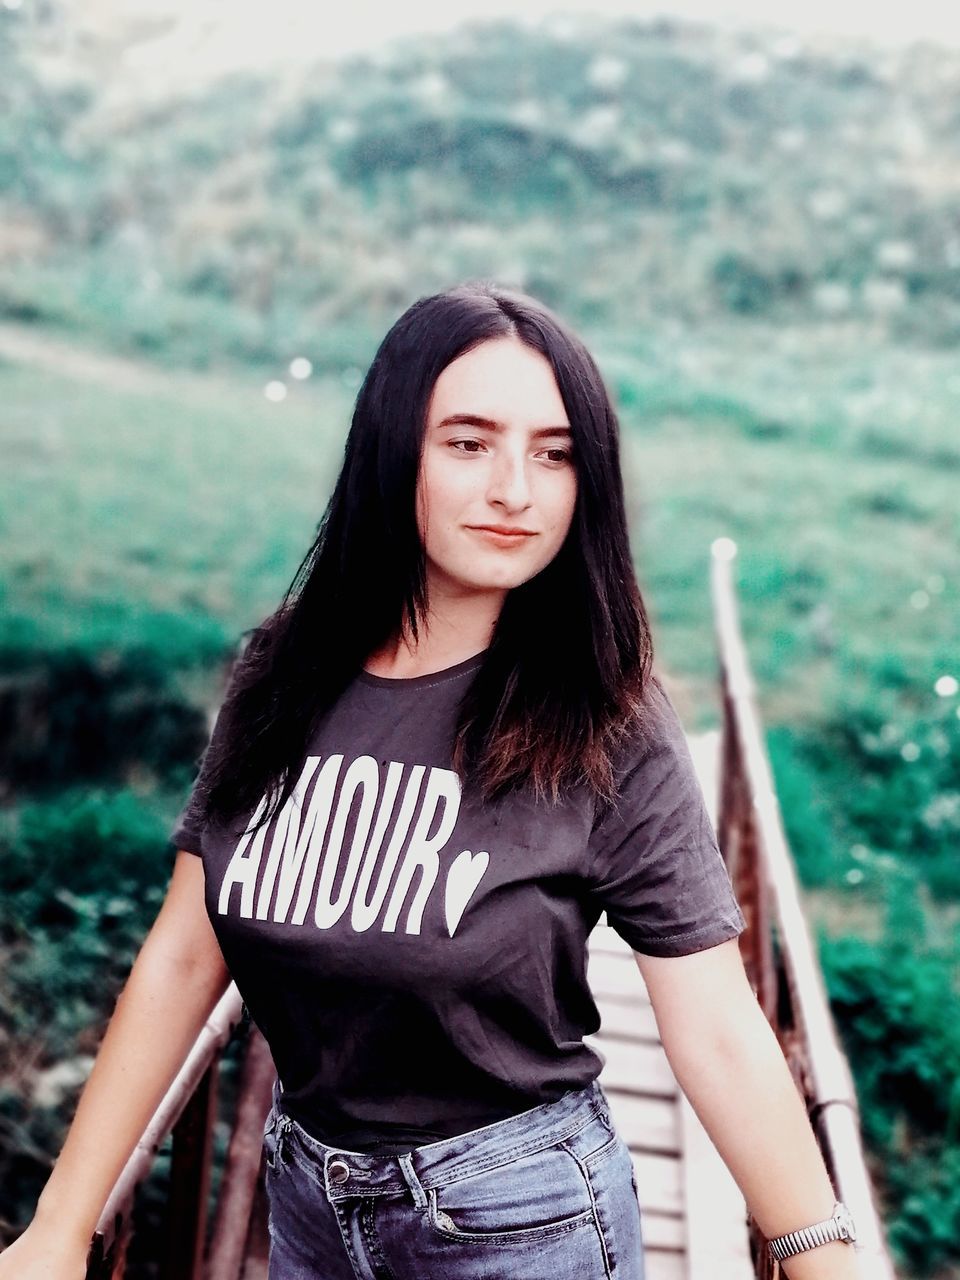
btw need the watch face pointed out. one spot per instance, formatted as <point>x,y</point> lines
<point>845,1222</point>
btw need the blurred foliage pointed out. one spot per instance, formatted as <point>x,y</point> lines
<point>877,784</point>
<point>898,744</point>
<point>66,715</point>
<point>897,1004</point>
<point>81,877</point>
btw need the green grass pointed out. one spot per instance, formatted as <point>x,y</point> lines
<point>169,520</point>
<point>835,535</point>
<point>130,516</point>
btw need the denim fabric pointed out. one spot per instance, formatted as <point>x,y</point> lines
<point>548,1194</point>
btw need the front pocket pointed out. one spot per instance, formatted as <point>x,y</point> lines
<point>532,1197</point>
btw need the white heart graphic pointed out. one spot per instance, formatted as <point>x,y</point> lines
<point>466,872</point>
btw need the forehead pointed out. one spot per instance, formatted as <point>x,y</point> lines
<point>500,378</point>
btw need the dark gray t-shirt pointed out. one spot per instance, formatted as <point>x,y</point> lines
<point>417,961</point>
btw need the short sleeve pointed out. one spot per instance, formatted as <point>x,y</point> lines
<point>187,833</point>
<point>657,870</point>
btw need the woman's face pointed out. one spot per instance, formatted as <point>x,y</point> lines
<point>497,453</point>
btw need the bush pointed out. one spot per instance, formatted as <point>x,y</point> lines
<point>897,1006</point>
<point>805,808</point>
<point>86,841</point>
<point>67,715</point>
<point>893,754</point>
<point>81,879</point>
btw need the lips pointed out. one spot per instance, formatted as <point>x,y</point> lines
<point>496,528</point>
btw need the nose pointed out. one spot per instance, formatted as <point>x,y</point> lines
<point>509,484</point>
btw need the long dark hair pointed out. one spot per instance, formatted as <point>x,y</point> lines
<point>562,683</point>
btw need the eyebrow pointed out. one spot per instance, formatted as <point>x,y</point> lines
<point>491,424</point>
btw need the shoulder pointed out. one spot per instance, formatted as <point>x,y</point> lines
<point>653,757</point>
<point>656,727</point>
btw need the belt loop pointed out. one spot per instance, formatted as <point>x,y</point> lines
<point>413,1182</point>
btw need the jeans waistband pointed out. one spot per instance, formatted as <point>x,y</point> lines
<point>347,1173</point>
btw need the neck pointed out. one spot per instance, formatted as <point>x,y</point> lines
<point>446,637</point>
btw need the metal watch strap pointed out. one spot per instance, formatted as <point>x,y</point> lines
<point>837,1227</point>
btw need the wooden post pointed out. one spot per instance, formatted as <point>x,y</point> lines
<point>190,1181</point>
<point>235,1220</point>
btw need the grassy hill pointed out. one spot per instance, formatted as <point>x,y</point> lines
<point>621,171</point>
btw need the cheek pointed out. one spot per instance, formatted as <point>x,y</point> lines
<point>561,505</point>
<point>444,488</point>
<point>438,500</point>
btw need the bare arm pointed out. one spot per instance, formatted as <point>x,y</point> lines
<point>727,1060</point>
<point>176,980</point>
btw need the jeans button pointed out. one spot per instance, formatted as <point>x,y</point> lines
<point>339,1171</point>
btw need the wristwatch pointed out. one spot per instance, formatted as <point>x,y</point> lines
<point>840,1226</point>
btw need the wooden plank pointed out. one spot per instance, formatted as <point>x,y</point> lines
<point>659,1182</point>
<point>705,752</point>
<point>718,1244</point>
<point>659,1264</point>
<point>642,1093</point>
<point>663,1230</point>
<point>645,1124</point>
<point>634,1066</point>
<point>615,977</point>
<point>608,940</point>
<point>628,1022</point>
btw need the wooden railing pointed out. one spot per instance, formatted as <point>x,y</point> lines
<point>187,1113</point>
<point>777,949</point>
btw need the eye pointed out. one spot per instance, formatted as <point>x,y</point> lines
<point>565,454</point>
<point>455,443</point>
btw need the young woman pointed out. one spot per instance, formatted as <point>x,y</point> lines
<point>438,762</point>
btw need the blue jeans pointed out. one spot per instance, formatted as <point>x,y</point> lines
<point>548,1194</point>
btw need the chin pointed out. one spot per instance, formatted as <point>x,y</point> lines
<point>470,579</point>
<point>476,585</point>
<point>503,584</point>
